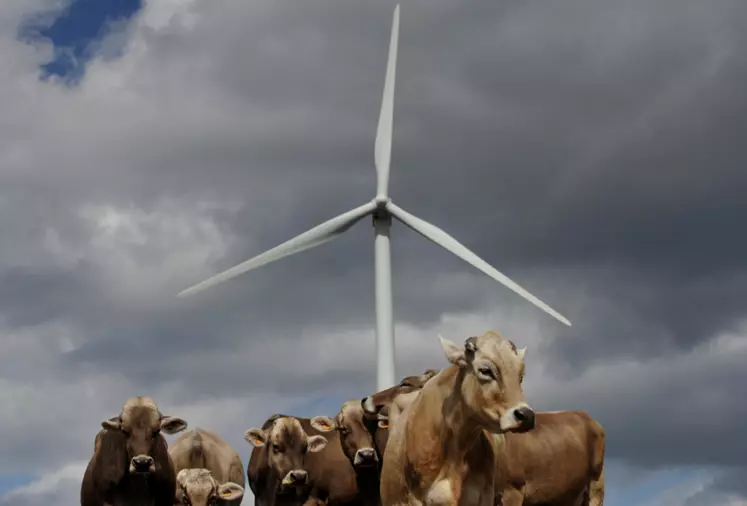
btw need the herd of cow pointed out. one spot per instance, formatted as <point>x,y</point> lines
<point>463,435</point>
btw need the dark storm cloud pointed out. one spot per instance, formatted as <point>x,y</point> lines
<point>521,104</point>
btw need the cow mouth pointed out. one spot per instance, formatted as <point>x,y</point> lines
<point>140,472</point>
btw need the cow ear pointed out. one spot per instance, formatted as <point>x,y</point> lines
<point>172,424</point>
<point>521,352</point>
<point>113,423</point>
<point>317,443</point>
<point>230,491</point>
<point>323,423</point>
<point>383,423</point>
<point>256,437</point>
<point>454,353</point>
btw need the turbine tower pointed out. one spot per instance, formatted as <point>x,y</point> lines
<point>382,209</point>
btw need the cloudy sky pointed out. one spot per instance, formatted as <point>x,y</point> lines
<point>589,149</point>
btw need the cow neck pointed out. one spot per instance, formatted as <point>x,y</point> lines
<point>460,428</point>
<point>368,482</point>
<point>137,491</point>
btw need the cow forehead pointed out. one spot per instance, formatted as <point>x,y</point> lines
<point>287,430</point>
<point>197,477</point>
<point>140,411</point>
<point>351,411</point>
<point>495,347</point>
<point>199,483</point>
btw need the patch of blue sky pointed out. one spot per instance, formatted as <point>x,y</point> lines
<point>75,31</point>
<point>9,482</point>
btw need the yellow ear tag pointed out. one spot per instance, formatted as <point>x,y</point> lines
<point>383,424</point>
<point>257,441</point>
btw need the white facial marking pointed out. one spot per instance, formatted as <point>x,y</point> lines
<point>358,459</point>
<point>440,494</point>
<point>368,405</point>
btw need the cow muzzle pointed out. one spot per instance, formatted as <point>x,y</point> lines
<point>365,457</point>
<point>296,478</point>
<point>520,418</point>
<point>142,464</point>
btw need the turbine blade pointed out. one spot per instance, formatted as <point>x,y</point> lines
<point>316,236</point>
<point>383,147</point>
<point>446,241</point>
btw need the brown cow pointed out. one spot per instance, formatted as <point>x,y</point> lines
<point>385,405</point>
<point>355,434</point>
<point>208,470</point>
<point>439,452</point>
<point>131,463</point>
<point>372,404</point>
<point>560,462</point>
<point>278,469</point>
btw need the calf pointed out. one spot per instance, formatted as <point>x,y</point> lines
<point>208,470</point>
<point>560,462</point>
<point>130,463</point>
<point>278,469</point>
<point>439,452</point>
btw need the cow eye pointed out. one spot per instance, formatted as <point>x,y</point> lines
<point>276,448</point>
<point>156,432</point>
<point>486,372</point>
<point>343,430</point>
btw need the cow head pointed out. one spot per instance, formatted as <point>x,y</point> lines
<point>492,372</point>
<point>141,423</point>
<point>373,404</point>
<point>356,434</point>
<point>287,447</point>
<point>197,487</point>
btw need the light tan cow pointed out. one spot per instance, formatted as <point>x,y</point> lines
<point>440,452</point>
<point>208,470</point>
<point>559,463</point>
<point>280,469</point>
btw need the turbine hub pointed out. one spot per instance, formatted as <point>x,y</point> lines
<point>381,201</point>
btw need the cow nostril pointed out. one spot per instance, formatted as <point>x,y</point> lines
<point>525,416</point>
<point>141,462</point>
<point>298,476</point>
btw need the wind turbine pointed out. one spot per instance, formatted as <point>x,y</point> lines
<point>382,209</point>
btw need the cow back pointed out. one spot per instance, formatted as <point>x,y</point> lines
<point>204,449</point>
